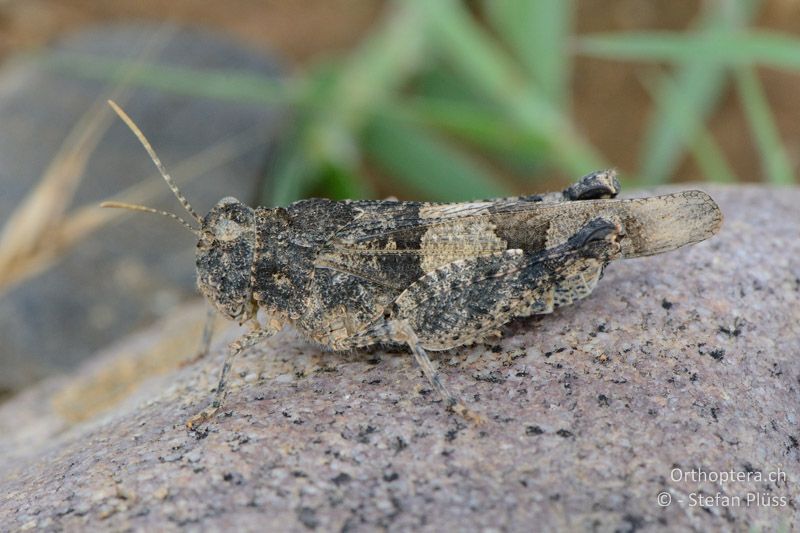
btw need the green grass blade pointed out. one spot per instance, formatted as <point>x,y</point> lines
<point>710,158</point>
<point>537,33</point>
<point>336,101</point>
<point>697,89</point>
<point>700,86</point>
<point>382,63</point>
<point>317,158</point>
<point>294,173</point>
<point>301,154</point>
<point>775,163</point>
<point>767,48</point>
<point>340,183</point>
<point>442,101</point>
<point>483,64</point>
<point>427,163</point>
<point>707,153</point>
<point>480,126</point>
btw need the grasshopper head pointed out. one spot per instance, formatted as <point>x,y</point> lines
<point>225,257</point>
<point>225,246</point>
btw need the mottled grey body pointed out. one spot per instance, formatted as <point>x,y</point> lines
<point>338,271</point>
<point>434,276</point>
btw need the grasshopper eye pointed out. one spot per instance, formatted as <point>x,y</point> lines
<point>228,221</point>
<point>206,240</point>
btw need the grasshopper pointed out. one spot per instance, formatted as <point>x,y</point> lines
<point>432,276</point>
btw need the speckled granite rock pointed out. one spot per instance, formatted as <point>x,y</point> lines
<point>685,362</point>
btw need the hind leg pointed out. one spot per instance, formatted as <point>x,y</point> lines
<point>461,302</point>
<point>401,332</point>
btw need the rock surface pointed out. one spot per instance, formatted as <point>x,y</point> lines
<point>677,368</point>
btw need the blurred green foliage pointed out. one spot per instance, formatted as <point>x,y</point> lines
<point>456,101</point>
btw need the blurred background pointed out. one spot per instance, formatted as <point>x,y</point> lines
<point>273,101</point>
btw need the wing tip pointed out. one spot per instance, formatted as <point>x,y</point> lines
<point>672,221</point>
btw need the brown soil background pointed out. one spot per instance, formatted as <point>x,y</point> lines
<point>610,103</point>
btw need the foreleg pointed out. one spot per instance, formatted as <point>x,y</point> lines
<point>234,349</point>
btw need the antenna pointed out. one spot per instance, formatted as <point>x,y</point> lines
<point>160,166</point>
<point>134,207</point>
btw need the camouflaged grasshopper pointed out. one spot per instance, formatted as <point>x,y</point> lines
<point>350,274</point>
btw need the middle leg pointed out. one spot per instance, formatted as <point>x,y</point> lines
<point>401,332</point>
